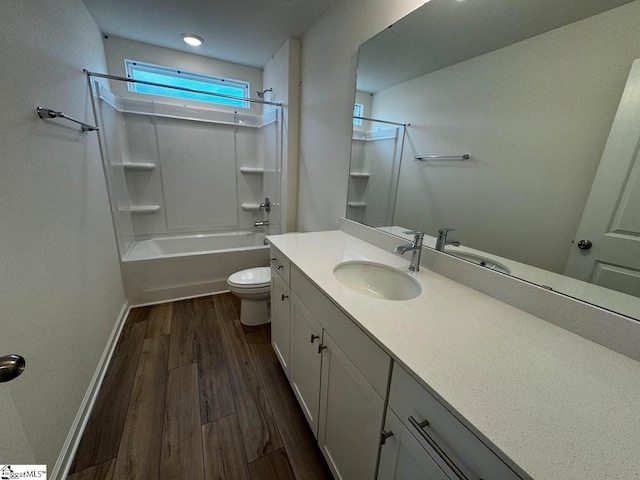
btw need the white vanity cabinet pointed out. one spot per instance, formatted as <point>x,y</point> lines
<point>280,307</point>
<point>306,361</point>
<point>337,373</point>
<point>351,414</point>
<point>415,418</point>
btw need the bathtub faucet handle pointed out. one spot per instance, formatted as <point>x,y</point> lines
<point>264,223</point>
<point>266,205</point>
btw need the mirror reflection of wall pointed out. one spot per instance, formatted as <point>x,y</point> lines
<point>534,115</point>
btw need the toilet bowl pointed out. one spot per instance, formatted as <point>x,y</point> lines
<point>253,288</point>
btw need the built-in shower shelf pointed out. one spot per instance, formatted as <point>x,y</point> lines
<point>359,175</point>
<point>141,209</point>
<point>252,170</point>
<point>138,166</point>
<point>357,204</point>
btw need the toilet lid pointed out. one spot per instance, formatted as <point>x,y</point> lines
<point>252,277</point>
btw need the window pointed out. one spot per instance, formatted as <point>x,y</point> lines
<point>358,111</point>
<point>179,78</point>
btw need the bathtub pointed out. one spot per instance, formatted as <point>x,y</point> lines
<point>168,268</point>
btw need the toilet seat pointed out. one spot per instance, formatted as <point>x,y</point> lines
<point>251,279</point>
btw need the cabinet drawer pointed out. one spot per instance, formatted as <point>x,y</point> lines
<point>280,264</point>
<point>365,354</point>
<point>414,404</point>
<point>403,458</point>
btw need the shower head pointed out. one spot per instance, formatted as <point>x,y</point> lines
<point>261,93</point>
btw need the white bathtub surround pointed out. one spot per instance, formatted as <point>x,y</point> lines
<point>373,176</point>
<point>167,268</point>
<point>553,404</point>
<point>154,152</point>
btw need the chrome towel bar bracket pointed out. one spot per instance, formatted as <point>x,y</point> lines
<point>47,113</point>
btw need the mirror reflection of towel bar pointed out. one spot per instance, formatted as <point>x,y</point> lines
<point>442,157</point>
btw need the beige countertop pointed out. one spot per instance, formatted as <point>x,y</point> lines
<point>558,405</point>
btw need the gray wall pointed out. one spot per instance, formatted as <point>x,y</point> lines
<point>329,59</point>
<point>60,277</point>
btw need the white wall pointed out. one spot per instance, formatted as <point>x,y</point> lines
<point>329,60</point>
<point>118,49</point>
<point>282,73</point>
<point>60,282</point>
<point>535,117</point>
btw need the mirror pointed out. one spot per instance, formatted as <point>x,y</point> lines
<point>529,91</point>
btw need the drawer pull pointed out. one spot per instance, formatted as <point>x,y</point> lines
<point>384,435</point>
<point>419,426</point>
<point>273,262</point>
<point>314,337</point>
<point>284,296</point>
<point>321,347</point>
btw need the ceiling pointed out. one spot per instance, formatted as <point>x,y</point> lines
<point>248,32</point>
<point>442,33</point>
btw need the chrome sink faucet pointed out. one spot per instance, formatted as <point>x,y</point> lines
<point>415,248</point>
<point>442,241</point>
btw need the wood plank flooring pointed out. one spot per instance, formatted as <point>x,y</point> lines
<point>192,393</point>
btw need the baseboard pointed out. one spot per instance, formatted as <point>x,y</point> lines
<point>177,299</point>
<point>152,296</point>
<point>63,465</point>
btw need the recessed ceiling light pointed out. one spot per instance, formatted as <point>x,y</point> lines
<point>191,39</point>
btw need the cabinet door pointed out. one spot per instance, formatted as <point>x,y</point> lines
<point>403,458</point>
<point>305,365</point>
<point>350,417</point>
<point>280,310</point>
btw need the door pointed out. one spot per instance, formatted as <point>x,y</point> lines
<point>306,361</point>
<point>402,457</point>
<point>350,417</point>
<point>611,218</point>
<point>280,306</point>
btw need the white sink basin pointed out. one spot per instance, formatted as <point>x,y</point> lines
<point>480,260</point>
<point>377,280</point>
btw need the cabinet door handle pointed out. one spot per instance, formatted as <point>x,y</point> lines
<point>321,347</point>
<point>284,296</point>
<point>384,435</point>
<point>419,426</point>
<point>314,337</point>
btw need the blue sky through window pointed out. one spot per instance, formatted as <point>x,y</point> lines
<point>167,76</point>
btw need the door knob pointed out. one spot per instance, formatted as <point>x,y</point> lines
<point>11,366</point>
<point>585,244</point>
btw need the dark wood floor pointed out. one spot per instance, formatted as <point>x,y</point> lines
<point>191,393</point>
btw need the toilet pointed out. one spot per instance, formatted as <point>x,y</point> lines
<point>253,288</point>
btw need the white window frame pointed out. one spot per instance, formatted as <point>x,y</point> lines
<point>132,65</point>
<point>358,111</point>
